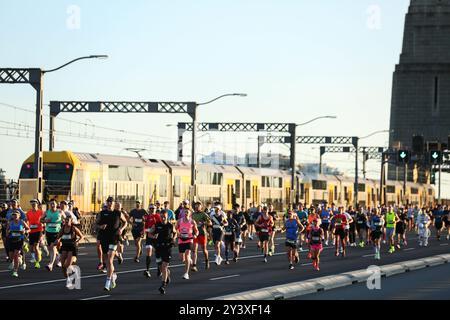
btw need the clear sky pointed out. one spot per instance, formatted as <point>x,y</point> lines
<point>296,59</point>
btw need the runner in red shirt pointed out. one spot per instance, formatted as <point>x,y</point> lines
<point>150,220</point>
<point>34,216</point>
<point>339,221</point>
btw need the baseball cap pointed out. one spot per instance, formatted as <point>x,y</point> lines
<point>218,206</point>
<point>138,201</point>
<point>34,201</point>
<point>186,201</point>
<point>151,206</point>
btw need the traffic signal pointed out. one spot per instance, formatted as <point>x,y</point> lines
<point>403,156</point>
<point>435,157</point>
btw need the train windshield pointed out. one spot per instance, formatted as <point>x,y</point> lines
<point>53,172</point>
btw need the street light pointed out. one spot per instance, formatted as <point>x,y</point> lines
<point>194,135</point>
<point>34,77</point>
<point>312,120</point>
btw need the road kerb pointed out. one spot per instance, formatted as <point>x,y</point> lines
<point>295,289</point>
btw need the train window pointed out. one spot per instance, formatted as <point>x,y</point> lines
<point>430,192</point>
<point>319,185</point>
<point>390,189</point>
<point>414,191</point>
<point>263,181</point>
<point>217,178</point>
<point>163,186</point>
<point>361,187</point>
<point>335,193</point>
<point>302,191</point>
<point>121,173</point>
<point>346,193</point>
<point>247,189</point>
<point>176,186</point>
<point>237,188</point>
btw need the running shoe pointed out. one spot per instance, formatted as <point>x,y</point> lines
<point>235,259</point>
<point>398,245</point>
<point>270,253</point>
<point>58,264</point>
<point>136,260</point>
<point>206,265</point>
<point>162,290</point>
<point>15,274</point>
<point>219,260</point>
<point>11,266</point>
<point>49,267</point>
<point>291,267</point>
<point>194,268</point>
<point>265,260</point>
<point>37,265</point>
<point>336,253</point>
<point>186,276</point>
<point>23,266</point>
<point>227,262</point>
<point>147,274</point>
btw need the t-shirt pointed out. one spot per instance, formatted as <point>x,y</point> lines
<point>170,215</point>
<point>325,216</point>
<point>438,215</point>
<point>349,217</point>
<point>112,221</point>
<point>138,219</point>
<point>202,219</point>
<point>34,219</point>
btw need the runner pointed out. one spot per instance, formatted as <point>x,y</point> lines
<point>400,227</point>
<point>265,224</point>
<point>410,217</point>
<point>376,226</point>
<point>239,216</point>
<point>302,214</point>
<point>186,231</point>
<point>137,230</point>
<point>164,232</point>
<point>4,226</point>
<point>325,216</point>
<point>34,216</point>
<point>438,214</point>
<point>101,266</point>
<point>352,226</point>
<point>69,236</point>
<point>361,227</point>
<point>16,234</point>
<point>316,236</point>
<point>219,221</point>
<point>170,213</point>
<point>446,220</point>
<point>149,221</point>
<point>123,235</point>
<point>53,220</point>
<point>339,222</point>
<point>204,225</point>
<point>291,227</point>
<point>230,237</point>
<point>391,220</point>
<point>256,214</point>
<point>274,216</point>
<point>251,222</point>
<point>246,227</point>
<point>423,222</point>
<point>109,224</point>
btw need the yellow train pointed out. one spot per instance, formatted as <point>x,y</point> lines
<point>89,178</point>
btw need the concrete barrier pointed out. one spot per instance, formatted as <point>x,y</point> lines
<point>295,289</point>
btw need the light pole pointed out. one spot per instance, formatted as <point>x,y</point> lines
<point>34,77</point>
<point>356,187</point>
<point>293,132</point>
<point>194,136</point>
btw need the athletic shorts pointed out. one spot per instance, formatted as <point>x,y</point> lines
<point>15,245</point>
<point>390,232</point>
<point>229,238</point>
<point>317,247</point>
<point>244,228</point>
<point>375,235</point>
<point>183,247</point>
<point>136,234</point>
<point>362,226</point>
<point>340,232</point>
<point>291,243</point>
<point>69,248</point>
<point>201,240</point>
<point>400,228</point>
<point>109,243</point>
<point>438,225</point>
<point>150,243</point>
<point>51,237</point>
<point>217,235</point>
<point>4,232</point>
<point>34,238</point>
<point>263,237</point>
<point>163,253</point>
<point>325,226</point>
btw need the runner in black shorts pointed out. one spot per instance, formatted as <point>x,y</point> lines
<point>164,232</point>
<point>69,236</point>
<point>137,230</point>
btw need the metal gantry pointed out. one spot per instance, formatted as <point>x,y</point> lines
<point>34,77</point>
<point>292,140</point>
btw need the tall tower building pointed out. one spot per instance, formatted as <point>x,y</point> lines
<point>421,83</point>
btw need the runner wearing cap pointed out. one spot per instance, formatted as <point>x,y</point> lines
<point>69,236</point>
<point>149,221</point>
<point>204,225</point>
<point>186,231</point>
<point>137,230</point>
<point>219,221</point>
<point>239,216</point>
<point>265,224</point>
<point>34,216</point>
<point>16,234</point>
<point>52,219</point>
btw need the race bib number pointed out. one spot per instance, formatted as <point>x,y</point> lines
<point>33,226</point>
<point>228,233</point>
<point>138,220</point>
<point>112,247</point>
<point>264,230</point>
<point>66,237</point>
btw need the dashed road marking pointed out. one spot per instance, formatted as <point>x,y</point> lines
<point>99,297</point>
<point>225,277</point>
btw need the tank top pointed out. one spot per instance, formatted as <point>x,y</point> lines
<point>186,229</point>
<point>376,222</point>
<point>68,238</point>
<point>291,229</point>
<point>340,221</point>
<point>15,229</point>
<point>54,226</point>
<point>164,231</point>
<point>112,221</point>
<point>265,227</point>
<point>34,220</point>
<point>390,220</point>
<point>315,235</point>
<point>360,219</point>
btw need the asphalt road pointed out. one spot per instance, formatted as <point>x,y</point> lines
<point>431,283</point>
<point>248,273</point>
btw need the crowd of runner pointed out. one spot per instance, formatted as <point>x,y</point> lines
<point>56,232</point>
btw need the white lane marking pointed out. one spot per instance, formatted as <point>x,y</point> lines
<point>5,271</point>
<point>226,277</point>
<point>99,297</point>
<point>368,255</point>
<point>409,249</point>
<point>81,247</point>
<point>306,264</point>
<point>83,254</point>
<point>444,244</point>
